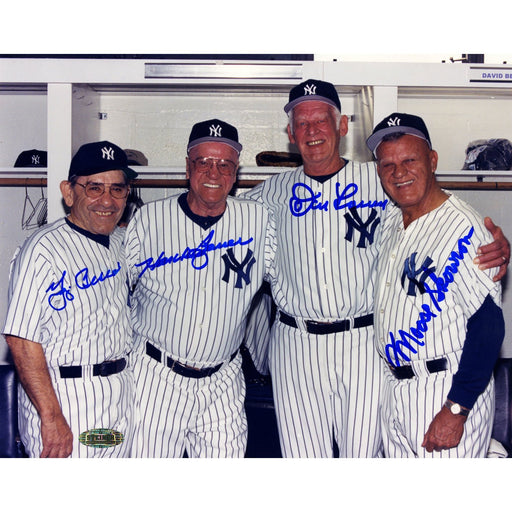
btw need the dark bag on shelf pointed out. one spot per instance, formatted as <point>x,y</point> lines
<point>489,155</point>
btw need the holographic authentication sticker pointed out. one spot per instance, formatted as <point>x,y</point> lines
<point>101,438</point>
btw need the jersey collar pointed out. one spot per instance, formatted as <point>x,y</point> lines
<point>101,239</point>
<point>204,222</point>
<point>323,179</point>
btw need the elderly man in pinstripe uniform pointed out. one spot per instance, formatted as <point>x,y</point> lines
<point>68,324</point>
<point>197,260</point>
<point>439,324</point>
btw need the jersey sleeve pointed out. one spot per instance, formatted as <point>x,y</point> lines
<point>474,285</point>
<point>480,298</point>
<point>30,273</point>
<point>485,333</point>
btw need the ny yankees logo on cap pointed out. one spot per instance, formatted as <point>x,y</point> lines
<point>313,90</point>
<point>214,130</point>
<point>31,158</point>
<point>396,122</point>
<point>107,153</point>
<point>309,89</point>
<point>96,157</point>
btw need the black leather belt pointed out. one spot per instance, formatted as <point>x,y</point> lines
<point>328,327</point>
<point>185,371</point>
<point>406,372</point>
<point>101,369</point>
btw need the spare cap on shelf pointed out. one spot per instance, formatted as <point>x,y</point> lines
<point>32,158</point>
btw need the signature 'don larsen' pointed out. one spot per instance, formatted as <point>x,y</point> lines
<point>304,200</point>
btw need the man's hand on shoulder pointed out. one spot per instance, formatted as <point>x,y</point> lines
<point>495,254</point>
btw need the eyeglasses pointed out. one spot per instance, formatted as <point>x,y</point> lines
<point>95,190</point>
<point>225,167</point>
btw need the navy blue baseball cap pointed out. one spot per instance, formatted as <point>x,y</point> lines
<point>214,130</point>
<point>398,123</point>
<point>32,158</point>
<point>96,157</point>
<point>313,90</point>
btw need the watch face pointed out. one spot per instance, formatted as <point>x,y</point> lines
<point>455,408</point>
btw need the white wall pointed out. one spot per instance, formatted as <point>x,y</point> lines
<point>454,121</point>
<point>22,126</point>
<point>159,126</point>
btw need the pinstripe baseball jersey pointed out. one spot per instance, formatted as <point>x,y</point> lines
<point>428,286</point>
<point>194,285</point>
<point>327,240</point>
<point>194,280</point>
<point>69,293</point>
<point>326,387</point>
<point>427,290</point>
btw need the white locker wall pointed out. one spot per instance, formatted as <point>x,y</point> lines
<point>159,124</point>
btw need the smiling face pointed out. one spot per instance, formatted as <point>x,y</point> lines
<point>406,167</point>
<point>209,190</point>
<point>317,136</point>
<point>98,216</point>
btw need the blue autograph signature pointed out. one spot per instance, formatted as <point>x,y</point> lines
<point>299,206</point>
<point>193,254</point>
<point>437,295</point>
<point>59,299</point>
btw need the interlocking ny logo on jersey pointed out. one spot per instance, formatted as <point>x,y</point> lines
<point>216,131</point>
<point>366,229</point>
<point>107,153</point>
<point>395,121</point>
<point>35,159</point>
<point>410,272</point>
<point>231,263</point>
<point>309,89</point>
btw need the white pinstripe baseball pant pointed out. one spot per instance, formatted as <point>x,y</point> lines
<point>409,406</point>
<point>205,416</point>
<point>87,403</point>
<point>325,386</point>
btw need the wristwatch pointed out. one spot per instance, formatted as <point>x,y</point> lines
<point>456,408</point>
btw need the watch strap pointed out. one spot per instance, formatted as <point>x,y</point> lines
<point>456,408</point>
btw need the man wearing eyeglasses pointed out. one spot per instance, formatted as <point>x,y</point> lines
<point>68,324</point>
<point>196,259</point>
